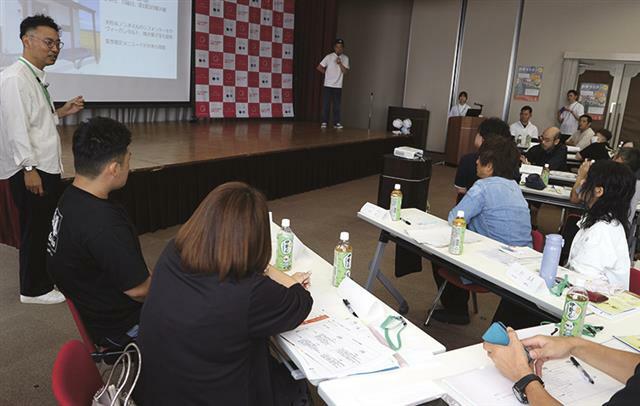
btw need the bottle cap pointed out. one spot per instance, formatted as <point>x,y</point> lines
<point>344,236</point>
<point>285,223</point>
<point>396,186</point>
<point>460,213</point>
<point>546,165</point>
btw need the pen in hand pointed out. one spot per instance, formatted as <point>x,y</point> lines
<point>581,369</point>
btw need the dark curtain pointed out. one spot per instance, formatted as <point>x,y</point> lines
<point>314,33</point>
<point>9,226</point>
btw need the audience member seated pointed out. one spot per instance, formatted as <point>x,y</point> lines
<point>512,362</point>
<point>599,148</point>
<point>493,207</point>
<point>524,126</point>
<point>466,174</point>
<point>94,255</point>
<point>599,249</point>
<point>213,304</point>
<point>550,151</point>
<point>631,158</point>
<point>582,137</point>
<point>569,114</point>
<point>461,108</point>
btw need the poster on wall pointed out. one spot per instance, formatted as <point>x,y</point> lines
<point>593,97</point>
<point>244,58</point>
<point>528,83</point>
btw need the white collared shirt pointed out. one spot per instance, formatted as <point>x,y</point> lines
<point>517,129</point>
<point>569,124</point>
<point>28,133</point>
<point>333,75</point>
<point>581,139</point>
<point>458,110</point>
<point>601,253</point>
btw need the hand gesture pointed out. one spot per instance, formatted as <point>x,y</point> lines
<point>510,360</point>
<point>33,183</point>
<point>583,171</point>
<point>544,348</point>
<point>72,106</point>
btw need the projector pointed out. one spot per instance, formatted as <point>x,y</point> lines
<point>408,153</point>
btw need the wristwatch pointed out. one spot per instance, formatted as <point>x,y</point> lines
<point>28,168</point>
<point>520,386</point>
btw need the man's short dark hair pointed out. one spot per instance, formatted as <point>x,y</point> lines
<point>97,142</point>
<point>527,108</point>
<point>630,157</point>
<point>575,92</point>
<point>338,41</point>
<point>503,154</point>
<point>605,133</point>
<point>588,117</point>
<point>38,20</point>
<point>463,93</point>
<point>494,126</point>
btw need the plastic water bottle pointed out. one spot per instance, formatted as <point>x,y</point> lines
<point>395,208</point>
<point>456,244</point>
<point>284,253</point>
<point>545,174</point>
<point>551,258</point>
<point>575,309</point>
<point>342,259</point>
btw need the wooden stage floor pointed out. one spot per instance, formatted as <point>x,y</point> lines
<point>166,144</point>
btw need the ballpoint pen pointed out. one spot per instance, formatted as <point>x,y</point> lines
<point>348,305</point>
<point>581,369</point>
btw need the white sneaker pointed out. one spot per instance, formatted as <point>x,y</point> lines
<point>323,125</point>
<point>338,126</point>
<point>53,297</point>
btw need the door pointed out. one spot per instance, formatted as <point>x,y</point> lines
<point>626,123</point>
<point>598,85</point>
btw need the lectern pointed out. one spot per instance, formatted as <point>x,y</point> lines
<point>461,132</point>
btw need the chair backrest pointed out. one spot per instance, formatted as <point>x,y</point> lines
<point>634,281</point>
<point>75,377</point>
<point>538,240</point>
<point>86,338</point>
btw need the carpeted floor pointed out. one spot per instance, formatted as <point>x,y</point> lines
<point>30,335</point>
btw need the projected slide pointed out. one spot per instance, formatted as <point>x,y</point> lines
<point>124,38</point>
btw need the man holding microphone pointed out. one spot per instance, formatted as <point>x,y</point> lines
<point>30,150</point>
<point>333,66</point>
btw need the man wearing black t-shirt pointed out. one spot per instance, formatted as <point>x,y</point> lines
<point>94,255</point>
<point>549,151</point>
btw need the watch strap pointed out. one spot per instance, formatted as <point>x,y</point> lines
<point>520,386</point>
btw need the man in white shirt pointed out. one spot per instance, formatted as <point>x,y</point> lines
<point>30,150</point>
<point>333,66</point>
<point>461,108</point>
<point>568,115</point>
<point>583,136</point>
<point>524,127</point>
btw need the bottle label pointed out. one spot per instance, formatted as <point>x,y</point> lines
<point>456,244</point>
<point>573,318</point>
<point>284,254</point>
<point>395,207</point>
<point>341,266</point>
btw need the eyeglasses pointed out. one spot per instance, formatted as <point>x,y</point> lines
<point>49,42</point>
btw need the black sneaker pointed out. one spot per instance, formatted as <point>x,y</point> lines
<point>449,317</point>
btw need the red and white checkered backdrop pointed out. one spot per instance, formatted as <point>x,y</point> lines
<point>244,58</point>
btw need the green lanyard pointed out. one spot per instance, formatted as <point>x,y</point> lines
<point>393,323</point>
<point>42,86</point>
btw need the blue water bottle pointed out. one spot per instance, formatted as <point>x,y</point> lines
<point>551,258</point>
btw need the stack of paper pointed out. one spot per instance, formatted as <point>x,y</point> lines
<point>331,348</point>
<point>619,305</point>
<point>524,168</point>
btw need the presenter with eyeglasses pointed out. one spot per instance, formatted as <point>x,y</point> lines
<point>30,150</point>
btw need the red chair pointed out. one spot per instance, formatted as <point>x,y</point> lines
<point>86,338</point>
<point>75,377</point>
<point>474,289</point>
<point>634,281</point>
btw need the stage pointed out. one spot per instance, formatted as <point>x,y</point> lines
<point>174,165</point>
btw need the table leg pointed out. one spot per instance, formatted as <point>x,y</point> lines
<point>375,273</point>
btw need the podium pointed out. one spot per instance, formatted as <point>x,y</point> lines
<point>461,132</point>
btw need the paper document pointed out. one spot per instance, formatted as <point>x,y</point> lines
<point>375,212</point>
<point>331,348</point>
<point>630,341</point>
<point>621,304</point>
<point>438,236</point>
<point>521,252</point>
<point>486,386</point>
<point>524,168</point>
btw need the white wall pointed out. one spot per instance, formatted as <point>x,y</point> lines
<point>434,25</point>
<point>550,28</point>
<point>376,33</point>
